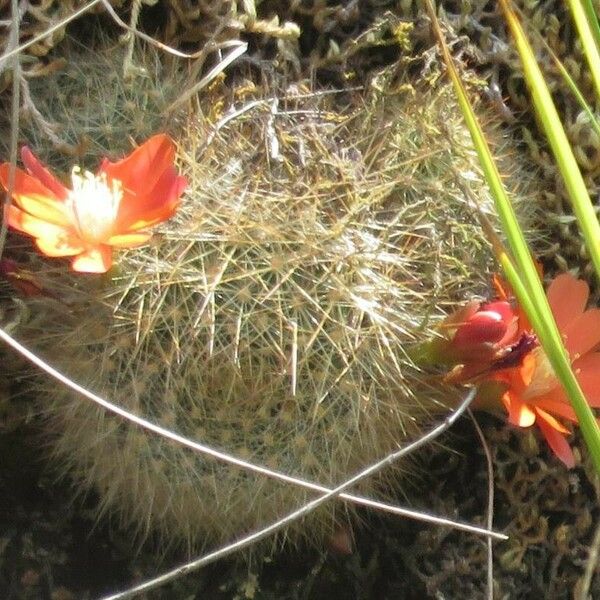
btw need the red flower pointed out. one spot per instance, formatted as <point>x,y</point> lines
<point>113,208</point>
<point>482,330</point>
<point>531,392</point>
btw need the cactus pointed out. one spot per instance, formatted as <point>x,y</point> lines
<point>84,106</point>
<point>322,235</point>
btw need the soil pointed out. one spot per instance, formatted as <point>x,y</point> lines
<point>53,548</point>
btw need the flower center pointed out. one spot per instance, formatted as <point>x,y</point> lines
<point>95,204</point>
<point>543,380</point>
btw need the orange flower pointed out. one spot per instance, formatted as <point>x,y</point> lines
<point>531,391</point>
<point>113,208</point>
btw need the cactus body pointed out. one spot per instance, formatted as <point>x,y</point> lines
<point>273,317</point>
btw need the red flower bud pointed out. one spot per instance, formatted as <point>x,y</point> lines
<point>483,327</point>
<point>488,325</point>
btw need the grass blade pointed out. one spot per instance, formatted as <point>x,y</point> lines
<point>569,81</point>
<point>588,40</point>
<point>557,138</point>
<point>522,273</point>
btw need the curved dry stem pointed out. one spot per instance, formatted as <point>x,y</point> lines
<point>50,30</point>
<point>222,456</point>
<point>158,44</point>
<point>490,506</point>
<point>297,514</point>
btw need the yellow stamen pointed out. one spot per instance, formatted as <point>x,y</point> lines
<point>95,204</point>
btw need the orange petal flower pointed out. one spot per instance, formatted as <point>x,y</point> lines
<point>113,208</point>
<point>532,393</point>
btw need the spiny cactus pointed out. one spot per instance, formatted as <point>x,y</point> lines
<point>84,105</point>
<point>322,234</point>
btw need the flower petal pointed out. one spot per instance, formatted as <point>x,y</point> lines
<point>526,371</point>
<point>140,212</point>
<point>26,223</point>
<point>140,171</point>
<point>582,334</point>
<point>129,240</point>
<point>510,319</point>
<point>558,395</point>
<point>482,327</point>
<point>33,197</point>
<point>567,297</point>
<point>557,442</point>
<point>43,175</point>
<point>554,404</point>
<point>502,287</point>
<point>94,260</point>
<point>587,371</point>
<point>61,245</point>
<point>460,316</point>
<point>551,421</point>
<point>519,413</point>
